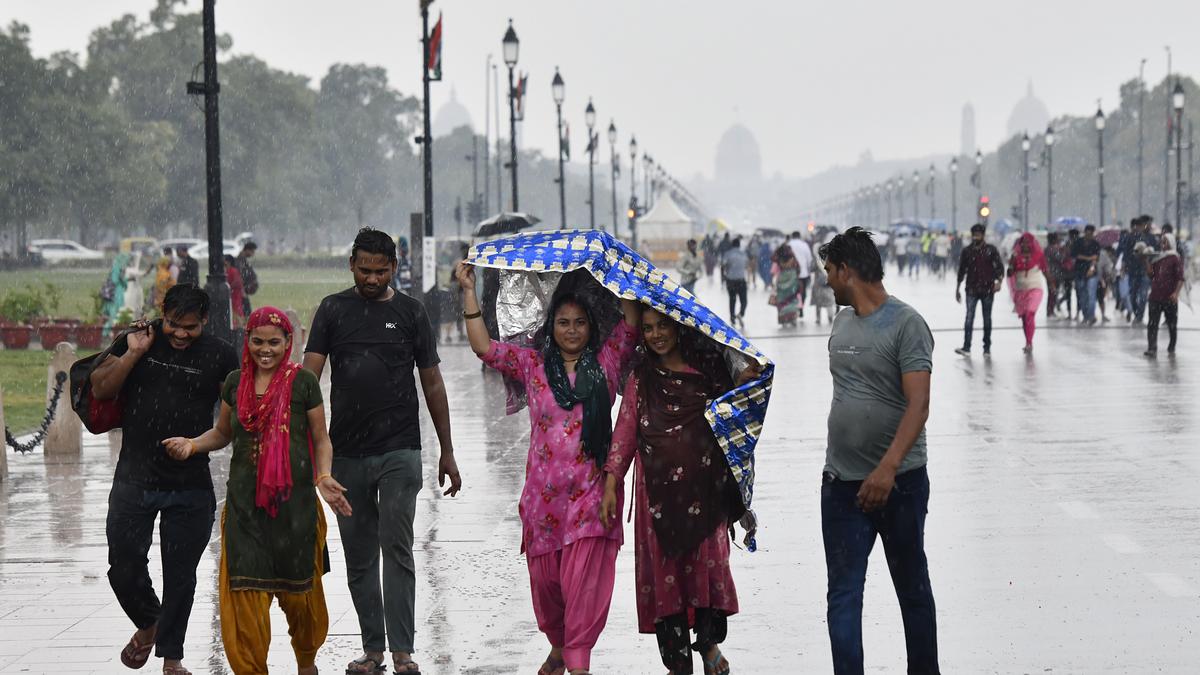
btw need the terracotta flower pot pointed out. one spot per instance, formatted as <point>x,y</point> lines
<point>55,332</point>
<point>89,335</point>
<point>16,336</point>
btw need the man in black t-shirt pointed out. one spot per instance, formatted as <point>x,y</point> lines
<point>374,336</point>
<point>168,378</point>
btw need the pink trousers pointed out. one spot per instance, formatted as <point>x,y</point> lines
<point>572,590</point>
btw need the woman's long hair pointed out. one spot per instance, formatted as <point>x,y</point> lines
<point>700,353</point>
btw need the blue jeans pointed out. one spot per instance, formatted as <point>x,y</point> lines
<point>969,327</point>
<point>1139,290</point>
<point>1085,290</point>
<point>849,535</point>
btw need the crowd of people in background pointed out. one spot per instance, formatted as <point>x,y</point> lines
<point>1136,276</point>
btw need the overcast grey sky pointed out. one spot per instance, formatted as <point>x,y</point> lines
<point>817,82</point>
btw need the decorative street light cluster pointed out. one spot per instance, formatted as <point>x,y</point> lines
<point>652,176</point>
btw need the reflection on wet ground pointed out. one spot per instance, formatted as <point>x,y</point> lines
<point>1062,533</point>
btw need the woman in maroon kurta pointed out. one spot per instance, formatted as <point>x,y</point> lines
<point>684,493</point>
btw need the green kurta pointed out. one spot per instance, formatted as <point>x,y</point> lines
<point>265,553</point>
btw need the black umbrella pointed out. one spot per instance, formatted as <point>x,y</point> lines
<point>505,223</point>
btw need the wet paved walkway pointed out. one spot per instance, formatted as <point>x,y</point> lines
<point>1063,533</point>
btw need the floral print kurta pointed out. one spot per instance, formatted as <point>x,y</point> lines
<point>560,502</point>
<point>666,586</point>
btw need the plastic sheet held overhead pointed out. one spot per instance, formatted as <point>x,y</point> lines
<point>532,264</point>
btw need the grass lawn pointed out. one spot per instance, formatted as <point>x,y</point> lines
<point>23,373</point>
<point>295,288</point>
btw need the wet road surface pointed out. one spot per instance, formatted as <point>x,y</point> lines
<point>1063,533</point>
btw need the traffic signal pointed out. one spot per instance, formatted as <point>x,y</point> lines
<point>985,209</point>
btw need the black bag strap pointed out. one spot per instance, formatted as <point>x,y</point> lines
<point>83,368</point>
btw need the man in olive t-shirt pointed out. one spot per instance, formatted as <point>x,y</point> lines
<point>875,484</point>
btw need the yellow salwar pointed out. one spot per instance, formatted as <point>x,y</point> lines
<point>246,615</point>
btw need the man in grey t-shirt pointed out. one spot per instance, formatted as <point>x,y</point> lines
<point>875,484</point>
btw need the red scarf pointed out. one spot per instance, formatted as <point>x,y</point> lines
<point>269,418</point>
<point>1035,259</point>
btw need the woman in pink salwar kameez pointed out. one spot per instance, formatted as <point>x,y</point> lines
<point>1027,274</point>
<point>685,497</point>
<point>571,384</point>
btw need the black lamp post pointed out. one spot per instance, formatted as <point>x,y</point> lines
<point>559,91</point>
<point>1177,101</point>
<point>1049,174</point>
<point>889,202</point>
<point>932,195</point>
<point>1141,161</point>
<point>612,149</point>
<point>1100,159</point>
<point>954,194</point>
<point>877,192</point>
<point>647,168</point>
<point>633,203</point>
<point>916,191</point>
<point>512,47</point>
<point>589,117</point>
<point>979,172</point>
<point>1025,181</point>
<point>217,286</point>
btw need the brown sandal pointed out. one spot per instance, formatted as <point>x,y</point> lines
<point>135,655</point>
<point>359,666</point>
<point>176,670</point>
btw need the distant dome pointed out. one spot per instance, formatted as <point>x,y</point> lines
<point>738,158</point>
<point>450,116</point>
<point>1030,115</point>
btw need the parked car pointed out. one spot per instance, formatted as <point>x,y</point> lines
<point>60,250</point>
<point>200,251</point>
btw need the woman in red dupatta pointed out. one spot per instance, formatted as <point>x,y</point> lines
<point>272,528</point>
<point>685,496</point>
<point>1027,273</point>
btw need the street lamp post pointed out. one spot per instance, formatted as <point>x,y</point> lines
<point>954,194</point>
<point>217,287</point>
<point>1141,134</point>
<point>633,203</point>
<point>512,48</point>
<point>1167,146</point>
<point>1049,174</point>
<point>879,207</point>
<point>916,191</point>
<point>1025,144</point>
<point>426,136</point>
<point>1100,156</point>
<point>1177,101</point>
<point>979,171</point>
<point>559,91</point>
<point>647,168</point>
<point>889,202</point>
<point>612,149</point>
<point>932,195</point>
<point>589,117</point>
